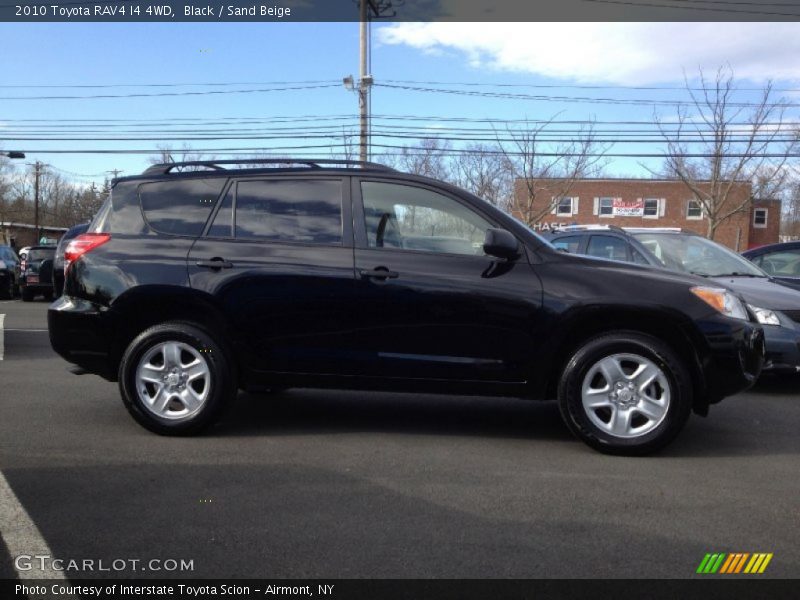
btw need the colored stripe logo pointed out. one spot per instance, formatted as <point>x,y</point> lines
<point>734,563</point>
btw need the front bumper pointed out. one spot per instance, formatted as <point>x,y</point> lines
<point>735,358</point>
<point>783,349</point>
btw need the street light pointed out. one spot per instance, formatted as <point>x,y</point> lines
<point>13,154</point>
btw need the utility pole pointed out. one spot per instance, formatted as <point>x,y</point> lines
<point>116,172</point>
<point>363,88</point>
<point>368,9</point>
<point>37,166</point>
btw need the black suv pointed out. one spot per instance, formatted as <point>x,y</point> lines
<point>333,274</point>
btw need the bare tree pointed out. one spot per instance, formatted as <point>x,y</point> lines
<point>729,146</point>
<point>167,154</point>
<point>486,172</point>
<point>545,172</point>
<point>790,223</point>
<point>429,158</point>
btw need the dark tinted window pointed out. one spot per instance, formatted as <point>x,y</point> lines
<point>223,221</point>
<point>606,246</point>
<point>7,254</point>
<point>179,207</point>
<point>571,243</point>
<point>284,210</point>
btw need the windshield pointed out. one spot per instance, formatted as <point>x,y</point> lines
<point>697,255</point>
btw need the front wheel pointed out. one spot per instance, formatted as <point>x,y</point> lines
<point>625,393</point>
<point>175,379</point>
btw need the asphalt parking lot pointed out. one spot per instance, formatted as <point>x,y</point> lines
<point>338,484</point>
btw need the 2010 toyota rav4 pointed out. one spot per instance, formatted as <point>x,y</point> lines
<point>191,285</point>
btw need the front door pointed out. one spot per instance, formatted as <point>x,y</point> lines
<point>431,304</point>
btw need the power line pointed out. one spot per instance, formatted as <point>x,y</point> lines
<point>165,85</point>
<point>570,99</point>
<point>708,9</point>
<point>574,86</point>
<point>163,94</point>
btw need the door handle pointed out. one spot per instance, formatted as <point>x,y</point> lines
<point>214,263</point>
<point>381,273</point>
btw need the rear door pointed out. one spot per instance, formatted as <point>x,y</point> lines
<point>277,257</point>
<point>431,304</point>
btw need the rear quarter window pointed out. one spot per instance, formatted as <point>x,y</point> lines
<point>179,207</point>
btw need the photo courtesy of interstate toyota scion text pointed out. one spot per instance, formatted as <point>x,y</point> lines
<point>198,279</point>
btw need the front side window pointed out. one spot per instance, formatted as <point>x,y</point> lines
<point>606,207</point>
<point>606,246</point>
<point>412,218</point>
<point>570,243</point>
<point>179,207</point>
<point>651,206</point>
<point>760,218</point>
<point>694,210</point>
<point>308,211</point>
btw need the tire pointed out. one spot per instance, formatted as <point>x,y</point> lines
<point>7,292</point>
<point>630,416</point>
<point>27,295</point>
<point>48,296</point>
<point>169,399</point>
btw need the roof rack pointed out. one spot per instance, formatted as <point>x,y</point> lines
<point>590,227</point>
<point>217,165</point>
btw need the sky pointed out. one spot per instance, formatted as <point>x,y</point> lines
<point>535,71</point>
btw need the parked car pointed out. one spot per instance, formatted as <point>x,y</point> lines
<point>776,306</point>
<point>9,272</point>
<point>58,264</point>
<point>779,261</point>
<point>334,274</point>
<point>37,273</point>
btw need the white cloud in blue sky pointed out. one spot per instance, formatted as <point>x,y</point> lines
<point>614,53</point>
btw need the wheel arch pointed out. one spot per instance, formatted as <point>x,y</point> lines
<point>574,329</point>
<point>145,306</point>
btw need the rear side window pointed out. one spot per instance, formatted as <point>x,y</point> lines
<point>284,210</point>
<point>179,207</point>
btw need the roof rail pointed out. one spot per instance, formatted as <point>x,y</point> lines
<point>217,165</point>
<point>590,227</point>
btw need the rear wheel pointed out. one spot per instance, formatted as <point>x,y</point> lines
<point>27,295</point>
<point>175,379</point>
<point>625,393</point>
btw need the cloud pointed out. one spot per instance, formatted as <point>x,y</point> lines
<point>612,53</point>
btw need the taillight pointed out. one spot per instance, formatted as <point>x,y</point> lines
<point>23,264</point>
<point>82,244</point>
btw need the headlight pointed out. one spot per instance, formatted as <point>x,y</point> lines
<point>721,300</point>
<point>765,316</point>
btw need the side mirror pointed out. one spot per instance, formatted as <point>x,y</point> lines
<point>501,244</point>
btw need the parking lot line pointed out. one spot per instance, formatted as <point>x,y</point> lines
<point>23,538</point>
<point>2,337</point>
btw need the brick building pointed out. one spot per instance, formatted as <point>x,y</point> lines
<point>650,203</point>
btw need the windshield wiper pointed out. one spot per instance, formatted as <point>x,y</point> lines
<point>737,274</point>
